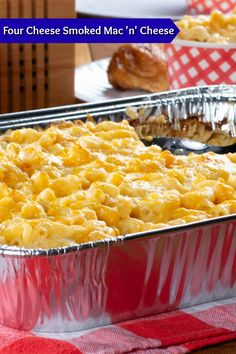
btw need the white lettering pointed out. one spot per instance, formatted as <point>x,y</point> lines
<point>13,31</point>
<point>33,30</point>
<point>113,31</point>
<point>147,30</point>
<point>86,31</point>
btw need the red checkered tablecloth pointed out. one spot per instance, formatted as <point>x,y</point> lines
<point>174,333</point>
<point>206,6</point>
<point>195,66</point>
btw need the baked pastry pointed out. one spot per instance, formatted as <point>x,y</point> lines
<point>139,66</point>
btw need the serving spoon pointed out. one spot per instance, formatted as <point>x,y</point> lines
<point>180,146</point>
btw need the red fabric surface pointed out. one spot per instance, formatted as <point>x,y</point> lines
<point>174,333</point>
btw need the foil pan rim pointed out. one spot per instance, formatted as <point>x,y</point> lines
<point>149,97</point>
<point>15,251</point>
<point>84,108</point>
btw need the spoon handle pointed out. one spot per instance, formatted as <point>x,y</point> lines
<point>223,149</point>
<point>180,146</point>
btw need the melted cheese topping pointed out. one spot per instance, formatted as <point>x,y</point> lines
<point>216,28</point>
<point>74,183</point>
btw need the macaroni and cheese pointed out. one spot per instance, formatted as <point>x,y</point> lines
<point>191,128</point>
<point>79,182</point>
<point>216,28</point>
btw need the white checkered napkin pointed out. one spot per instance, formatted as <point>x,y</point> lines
<point>195,66</point>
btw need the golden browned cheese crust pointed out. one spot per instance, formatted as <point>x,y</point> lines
<point>74,183</point>
<point>216,28</point>
<point>139,67</point>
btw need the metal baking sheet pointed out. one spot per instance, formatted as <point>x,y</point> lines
<point>103,282</point>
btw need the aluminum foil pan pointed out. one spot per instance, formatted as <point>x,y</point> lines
<point>216,116</point>
<point>103,282</point>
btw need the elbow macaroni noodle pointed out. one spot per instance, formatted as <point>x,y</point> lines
<point>79,182</point>
<point>216,28</point>
<point>191,128</point>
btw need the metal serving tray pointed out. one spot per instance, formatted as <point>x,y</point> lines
<point>103,282</point>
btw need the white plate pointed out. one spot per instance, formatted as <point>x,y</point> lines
<point>132,8</point>
<point>91,83</point>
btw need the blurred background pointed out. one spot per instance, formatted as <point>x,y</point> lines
<point>37,76</point>
<point>46,75</point>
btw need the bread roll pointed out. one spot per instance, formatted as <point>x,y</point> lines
<point>139,66</point>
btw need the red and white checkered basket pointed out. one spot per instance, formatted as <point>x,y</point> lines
<point>194,64</point>
<point>207,6</point>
